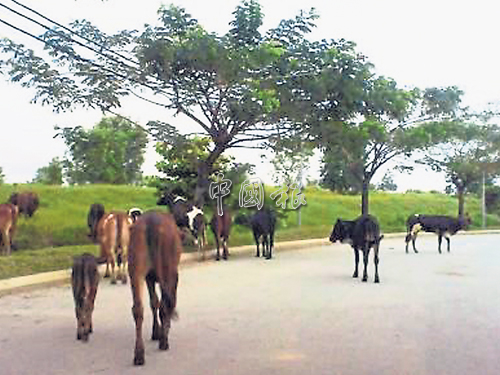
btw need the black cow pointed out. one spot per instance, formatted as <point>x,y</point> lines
<point>95,214</point>
<point>443,226</point>
<point>362,234</point>
<point>84,282</point>
<point>263,224</point>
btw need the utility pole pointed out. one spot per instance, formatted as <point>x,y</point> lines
<point>483,200</point>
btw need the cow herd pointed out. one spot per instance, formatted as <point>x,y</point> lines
<point>19,203</point>
<point>147,247</point>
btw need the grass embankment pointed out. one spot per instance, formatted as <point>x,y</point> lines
<point>58,230</point>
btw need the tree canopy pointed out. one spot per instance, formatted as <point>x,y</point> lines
<point>111,152</point>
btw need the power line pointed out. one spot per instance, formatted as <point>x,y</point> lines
<point>73,32</point>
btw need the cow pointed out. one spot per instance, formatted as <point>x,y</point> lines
<point>95,214</point>
<point>113,235</point>
<point>221,227</point>
<point>8,221</point>
<point>84,282</point>
<point>443,226</point>
<point>263,224</point>
<point>187,215</point>
<point>362,234</point>
<point>134,213</point>
<point>155,251</point>
<point>27,202</point>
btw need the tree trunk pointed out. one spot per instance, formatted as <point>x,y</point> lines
<point>461,199</point>
<point>364,195</point>
<point>205,168</point>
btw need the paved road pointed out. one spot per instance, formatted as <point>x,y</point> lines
<point>300,313</point>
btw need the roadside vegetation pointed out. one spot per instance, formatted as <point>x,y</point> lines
<point>58,230</point>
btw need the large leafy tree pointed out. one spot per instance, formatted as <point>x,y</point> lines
<point>51,174</point>
<point>111,152</point>
<point>240,89</point>
<point>392,124</point>
<point>469,151</point>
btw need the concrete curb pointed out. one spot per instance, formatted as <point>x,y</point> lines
<point>46,279</point>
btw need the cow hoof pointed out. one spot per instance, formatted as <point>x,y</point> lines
<point>106,275</point>
<point>113,281</point>
<point>217,259</point>
<point>164,345</point>
<point>377,280</point>
<point>139,360</point>
<point>124,280</point>
<point>365,279</point>
<point>355,275</point>
<point>78,336</point>
<point>267,258</point>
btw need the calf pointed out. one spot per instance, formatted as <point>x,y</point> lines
<point>362,234</point>
<point>155,251</point>
<point>95,214</point>
<point>113,234</point>
<point>221,226</point>
<point>8,220</point>
<point>27,202</point>
<point>443,226</point>
<point>187,215</point>
<point>263,223</point>
<point>84,281</point>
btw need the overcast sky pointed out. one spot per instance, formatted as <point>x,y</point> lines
<point>419,43</point>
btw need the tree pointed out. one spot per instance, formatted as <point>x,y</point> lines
<point>387,183</point>
<point>2,176</point>
<point>470,150</point>
<point>52,174</point>
<point>238,88</point>
<point>179,166</point>
<point>392,124</point>
<point>111,152</point>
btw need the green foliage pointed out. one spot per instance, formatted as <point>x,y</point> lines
<point>387,183</point>
<point>2,176</point>
<point>51,174</point>
<point>110,152</point>
<point>179,165</point>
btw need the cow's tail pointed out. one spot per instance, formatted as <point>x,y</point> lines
<point>155,243</point>
<point>118,239</point>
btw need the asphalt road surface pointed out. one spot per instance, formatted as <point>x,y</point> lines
<point>300,313</point>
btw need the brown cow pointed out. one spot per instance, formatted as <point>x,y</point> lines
<point>27,202</point>
<point>113,235</point>
<point>221,226</point>
<point>8,220</point>
<point>84,281</point>
<point>155,251</point>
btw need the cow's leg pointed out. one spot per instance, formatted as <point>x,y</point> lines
<point>124,264</point>
<point>413,239</point>
<point>257,242</point>
<point>356,262</point>
<point>407,241</point>
<point>225,252</point>
<point>113,273</point>
<point>138,314</point>
<point>79,325</point>
<point>266,244</point>
<point>375,260</point>
<point>106,274</point>
<point>155,304</point>
<point>167,309</point>
<point>217,256</point>
<point>448,240</point>
<point>271,244</point>
<point>92,294</point>
<point>440,239</point>
<point>366,252</point>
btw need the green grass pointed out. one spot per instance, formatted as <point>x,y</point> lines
<point>58,230</point>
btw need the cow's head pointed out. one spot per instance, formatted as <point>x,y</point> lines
<point>341,231</point>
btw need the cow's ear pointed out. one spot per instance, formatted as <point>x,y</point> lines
<point>339,220</point>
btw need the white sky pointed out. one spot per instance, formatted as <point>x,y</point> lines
<point>419,43</point>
